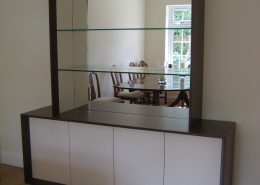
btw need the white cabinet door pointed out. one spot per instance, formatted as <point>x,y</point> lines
<point>138,157</point>
<point>91,154</point>
<point>192,160</point>
<point>50,150</point>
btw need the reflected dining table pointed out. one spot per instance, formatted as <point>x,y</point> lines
<point>151,83</point>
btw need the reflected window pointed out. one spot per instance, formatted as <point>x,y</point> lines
<point>178,40</point>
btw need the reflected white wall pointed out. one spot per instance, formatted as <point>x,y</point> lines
<point>115,47</point>
<point>155,40</point>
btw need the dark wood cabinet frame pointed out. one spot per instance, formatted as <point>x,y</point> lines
<point>197,55</point>
<point>54,57</point>
<point>197,126</point>
<point>204,128</point>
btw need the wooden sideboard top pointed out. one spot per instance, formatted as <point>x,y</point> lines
<point>152,118</point>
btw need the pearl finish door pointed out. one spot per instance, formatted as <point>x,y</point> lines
<point>139,157</point>
<point>50,150</point>
<point>192,160</point>
<point>91,154</point>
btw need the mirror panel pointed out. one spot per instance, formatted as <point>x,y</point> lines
<point>104,33</point>
<point>104,14</point>
<point>118,14</point>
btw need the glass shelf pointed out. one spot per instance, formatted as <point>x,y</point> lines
<point>136,70</point>
<point>117,29</point>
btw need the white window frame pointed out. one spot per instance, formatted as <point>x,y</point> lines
<point>169,39</point>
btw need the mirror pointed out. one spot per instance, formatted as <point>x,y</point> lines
<point>112,14</point>
<point>116,32</point>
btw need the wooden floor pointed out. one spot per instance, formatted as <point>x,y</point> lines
<point>10,175</point>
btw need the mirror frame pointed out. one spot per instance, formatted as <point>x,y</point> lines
<point>197,54</point>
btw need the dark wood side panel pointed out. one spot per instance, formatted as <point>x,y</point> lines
<point>227,132</point>
<point>27,160</point>
<point>228,157</point>
<point>54,57</point>
<point>197,55</point>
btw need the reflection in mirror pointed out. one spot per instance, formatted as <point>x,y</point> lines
<point>105,33</point>
<point>103,14</point>
<point>156,31</point>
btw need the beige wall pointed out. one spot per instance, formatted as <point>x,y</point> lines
<point>231,73</point>
<point>232,78</point>
<point>24,70</point>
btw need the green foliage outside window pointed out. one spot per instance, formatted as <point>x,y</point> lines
<point>182,15</point>
<point>177,15</point>
<point>187,15</point>
<point>187,34</point>
<point>176,61</point>
<point>177,48</point>
<point>177,35</point>
<point>186,49</point>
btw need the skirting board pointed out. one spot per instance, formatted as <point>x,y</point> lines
<point>11,159</point>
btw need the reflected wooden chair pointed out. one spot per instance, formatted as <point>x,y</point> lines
<point>144,64</point>
<point>164,96</point>
<point>94,91</point>
<point>148,94</point>
<point>133,97</point>
<point>133,76</point>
